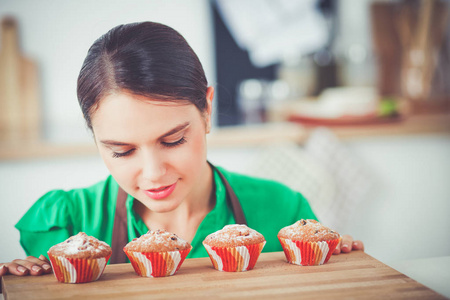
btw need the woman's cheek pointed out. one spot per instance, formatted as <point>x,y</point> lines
<point>123,170</point>
<point>186,161</point>
<point>195,155</point>
<point>178,161</point>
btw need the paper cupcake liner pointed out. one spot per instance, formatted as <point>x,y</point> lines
<point>157,264</point>
<point>77,270</point>
<point>308,253</point>
<point>234,259</point>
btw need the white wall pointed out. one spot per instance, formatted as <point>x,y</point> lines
<point>407,215</point>
<point>57,34</point>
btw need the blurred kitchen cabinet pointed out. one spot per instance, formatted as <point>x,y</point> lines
<point>411,44</point>
<point>20,120</point>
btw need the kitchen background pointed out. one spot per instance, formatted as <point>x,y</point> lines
<point>346,101</point>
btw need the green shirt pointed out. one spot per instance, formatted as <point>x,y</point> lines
<point>268,206</point>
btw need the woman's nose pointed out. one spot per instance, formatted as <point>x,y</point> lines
<point>153,166</point>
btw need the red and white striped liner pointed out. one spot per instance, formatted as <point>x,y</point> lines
<point>234,259</point>
<point>77,270</point>
<point>308,253</point>
<point>157,264</point>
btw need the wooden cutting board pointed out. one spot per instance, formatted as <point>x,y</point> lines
<point>19,90</point>
<point>350,276</point>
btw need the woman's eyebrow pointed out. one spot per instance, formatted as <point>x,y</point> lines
<point>175,130</point>
<point>169,133</point>
<point>113,143</point>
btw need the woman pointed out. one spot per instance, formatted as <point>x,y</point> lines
<point>144,95</point>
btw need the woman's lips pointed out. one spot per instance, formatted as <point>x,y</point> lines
<point>161,193</point>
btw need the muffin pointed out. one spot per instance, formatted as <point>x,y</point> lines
<point>308,243</point>
<point>80,258</point>
<point>234,248</point>
<point>157,253</point>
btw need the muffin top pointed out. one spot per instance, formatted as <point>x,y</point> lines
<point>309,231</point>
<point>157,241</point>
<point>234,235</point>
<point>81,246</point>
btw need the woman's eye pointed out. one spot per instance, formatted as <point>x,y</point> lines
<point>122,154</point>
<point>174,144</point>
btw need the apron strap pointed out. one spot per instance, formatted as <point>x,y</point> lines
<point>232,199</point>
<point>120,233</point>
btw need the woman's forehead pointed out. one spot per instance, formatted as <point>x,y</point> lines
<point>162,100</point>
<point>123,110</point>
<point>126,100</point>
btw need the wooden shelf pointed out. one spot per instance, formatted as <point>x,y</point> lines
<point>410,125</point>
<point>258,134</point>
<point>45,150</point>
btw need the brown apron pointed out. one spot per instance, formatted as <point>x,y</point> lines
<point>120,233</point>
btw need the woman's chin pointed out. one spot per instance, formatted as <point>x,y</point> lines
<point>162,210</point>
<point>164,206</point>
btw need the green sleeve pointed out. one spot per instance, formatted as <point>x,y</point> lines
<point>46,223</point>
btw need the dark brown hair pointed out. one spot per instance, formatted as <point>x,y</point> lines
<point>148,59</point>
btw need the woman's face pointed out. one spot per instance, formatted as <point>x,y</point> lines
<point>155,150</point>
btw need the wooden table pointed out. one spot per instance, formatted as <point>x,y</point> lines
<point>354,275</point>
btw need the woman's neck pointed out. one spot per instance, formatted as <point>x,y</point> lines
<point>186,218</point>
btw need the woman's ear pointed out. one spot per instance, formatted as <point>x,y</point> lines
<point>208,110</point>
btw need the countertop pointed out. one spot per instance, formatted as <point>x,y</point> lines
<point>353,275</point>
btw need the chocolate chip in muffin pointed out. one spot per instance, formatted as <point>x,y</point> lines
<point>158,241</point>
<point>308,230</point>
